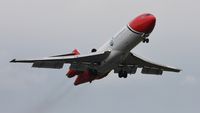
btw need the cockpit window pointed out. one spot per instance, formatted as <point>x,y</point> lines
<point>143,16</point>
<point>147,14</point>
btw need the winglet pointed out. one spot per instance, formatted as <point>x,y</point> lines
<point>14,60</point>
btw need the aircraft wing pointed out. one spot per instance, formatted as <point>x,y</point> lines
<point>147,66</point>
<point>58,61</point>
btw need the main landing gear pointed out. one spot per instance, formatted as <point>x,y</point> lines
<point>122,74</point>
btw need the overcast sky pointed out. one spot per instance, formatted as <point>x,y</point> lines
<point>39,28</point>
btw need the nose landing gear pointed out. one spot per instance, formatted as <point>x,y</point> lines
<point>146,40</point>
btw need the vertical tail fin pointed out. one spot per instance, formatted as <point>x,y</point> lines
<point>76,52</point>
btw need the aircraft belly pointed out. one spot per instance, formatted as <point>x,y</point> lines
<point>120,46</point>
<point>112,61</point>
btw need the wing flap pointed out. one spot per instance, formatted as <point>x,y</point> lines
<point>152,71</point>
<point>46,64</point>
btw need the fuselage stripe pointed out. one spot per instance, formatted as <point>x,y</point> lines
<point>133,30</point>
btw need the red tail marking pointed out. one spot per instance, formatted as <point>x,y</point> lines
<point>86,76</point>
<point>76,52</point>
<point>71,73</point>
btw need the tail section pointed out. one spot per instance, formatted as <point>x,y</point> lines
<point>82,76</point>
<point>71,73</point>
<point>86,76</point>
<point>75,52</point>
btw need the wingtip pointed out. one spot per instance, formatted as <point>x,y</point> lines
<point>179,70</point>
<point>14,60</point>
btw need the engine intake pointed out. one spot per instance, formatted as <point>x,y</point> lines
<point>93,50</point>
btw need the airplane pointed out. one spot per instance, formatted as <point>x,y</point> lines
<point>113,55</point>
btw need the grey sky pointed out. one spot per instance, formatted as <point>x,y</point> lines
<point>37,28</point>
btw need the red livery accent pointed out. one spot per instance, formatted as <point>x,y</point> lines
<point>144,23</point>
<point>76,52</point>
<point>71,73</point>
<point>86,76</point>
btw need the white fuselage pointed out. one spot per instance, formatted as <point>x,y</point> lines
<point>119,46</point>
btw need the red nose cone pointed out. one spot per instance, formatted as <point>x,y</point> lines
<point>143,23</point>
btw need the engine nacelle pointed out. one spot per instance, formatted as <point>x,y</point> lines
<point>71,73</point>
<point>76,69</point>
<point>86,76</point>
<point>151,71</point>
